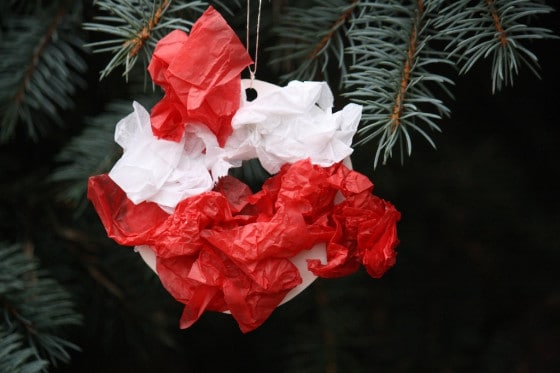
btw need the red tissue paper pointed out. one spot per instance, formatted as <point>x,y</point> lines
<point>200,76</point>
<point>229,249</point>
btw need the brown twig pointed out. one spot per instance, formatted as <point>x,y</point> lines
<point>44,42</point>
<point>144,34</point>
<point>28,326</point>
<point>502,35</point>
<point>398,107</point>
<point>324,41</point>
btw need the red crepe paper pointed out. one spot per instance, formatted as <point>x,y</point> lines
<point>229,249</point>
<point>200,74</point>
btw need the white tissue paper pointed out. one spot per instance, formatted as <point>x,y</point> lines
<point>293,123</point>
<point>282,125</point>
<point>161,171</point>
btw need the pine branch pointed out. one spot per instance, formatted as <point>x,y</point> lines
<point>393,74</point>
<point>125,308</point>
<point>135,26</point>
<point>40,70</point>
<point>15,357</point>
<point>312,36</point>
<point>495,28</point>
<point>125,283</point>
<point>35,306</point>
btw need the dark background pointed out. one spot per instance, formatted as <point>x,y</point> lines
<point>475,287</point>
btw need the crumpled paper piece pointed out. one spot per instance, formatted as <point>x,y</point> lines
<point>229,249</point>
<point>200,74</point>
<point>124,221</point>
<point>293,123</point>
<point>162,171</point>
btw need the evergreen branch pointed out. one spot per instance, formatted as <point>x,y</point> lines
<point>15,357</point>
<point>40,70</point>
<point>311,36</point>
<point>130,293</point>
<point>497,28</point>
<point>334,28</point>
<point>398,107</point>
<point>392,74</point>
<point>35,306</point>
<point>136,26</point>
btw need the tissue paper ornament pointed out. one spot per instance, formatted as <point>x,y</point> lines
<point>217,246</point>
<point>286,124</point>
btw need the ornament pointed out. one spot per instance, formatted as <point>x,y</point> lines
<point>214,243</point>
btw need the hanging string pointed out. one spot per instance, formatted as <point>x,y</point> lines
<point>253,71</point>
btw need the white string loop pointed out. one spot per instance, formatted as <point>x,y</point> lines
<point>253,71</point>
